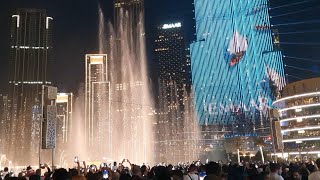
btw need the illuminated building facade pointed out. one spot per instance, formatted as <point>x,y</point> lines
<point>173,66</point>
<point>3,122</point>
<point>299,116</point>
<point>237,71</point>
<point>30,52</point>
<point>64,104</point>
<point>97,103</point>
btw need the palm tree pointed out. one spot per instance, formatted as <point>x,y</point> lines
<point>260,143</point>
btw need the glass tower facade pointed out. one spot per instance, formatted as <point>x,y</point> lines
<point>237,69</point>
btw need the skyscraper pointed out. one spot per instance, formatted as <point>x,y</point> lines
<point>236,68</point>
<point>173,66</point>
<point>97,104</point>
<point>30,52</point>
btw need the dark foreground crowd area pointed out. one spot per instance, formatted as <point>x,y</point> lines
<point>196,171</point>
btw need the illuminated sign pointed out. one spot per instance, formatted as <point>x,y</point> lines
<point>170,26</point>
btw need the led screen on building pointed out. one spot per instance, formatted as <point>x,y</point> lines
<point>236,68</point>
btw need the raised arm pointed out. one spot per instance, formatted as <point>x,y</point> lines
<point>110,172</point>
<point>85,168</point>
<point>129,163</point>
<point>78,168</point>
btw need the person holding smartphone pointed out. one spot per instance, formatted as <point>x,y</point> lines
<point>114,167</point>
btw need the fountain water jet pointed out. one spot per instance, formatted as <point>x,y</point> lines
<point>131,100</point>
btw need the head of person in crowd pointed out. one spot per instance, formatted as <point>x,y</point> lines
<point>224,171</point>
<point>91,176</point>
<point>275,168</point>
<point>213,168</point>
<point>38,172</point>
<point>162,173</point>
<point>193,168</point>
<point>177,175</point>
<point>295,174</point>
<point>6,169</point>
<point>311,168</point>
<point>34,177</point>
<point>115,176</point>
<point>78,178</point>
<point>73,172</point>
<point>304,172</point>
<point>151,174</point>
<point>170,167</point>
<point>318,163</point>
<point>60,174</point>
<point>144,170</point>
<point>136,171</point>
<point>99,174</point>
<point>265,176</point>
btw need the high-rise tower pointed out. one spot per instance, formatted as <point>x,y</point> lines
<point>173,66</point>
<point>30,51</point>
<point>97,105</point>
<point>237,68</point>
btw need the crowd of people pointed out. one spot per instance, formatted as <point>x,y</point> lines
<point>193,171</point>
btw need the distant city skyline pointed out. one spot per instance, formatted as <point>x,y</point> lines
<point>173,80</point>
<point>69,24</point>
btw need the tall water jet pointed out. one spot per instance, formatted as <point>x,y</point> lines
<point>102,33</point>
<point>180,136</point>
<point>132,102</point>
<point>129,131</point>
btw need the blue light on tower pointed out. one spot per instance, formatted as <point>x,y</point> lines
<point>237,68</point>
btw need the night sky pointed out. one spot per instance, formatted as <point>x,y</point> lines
<point>76,30</point>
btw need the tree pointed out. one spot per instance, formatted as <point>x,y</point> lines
<point>260,143</point>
